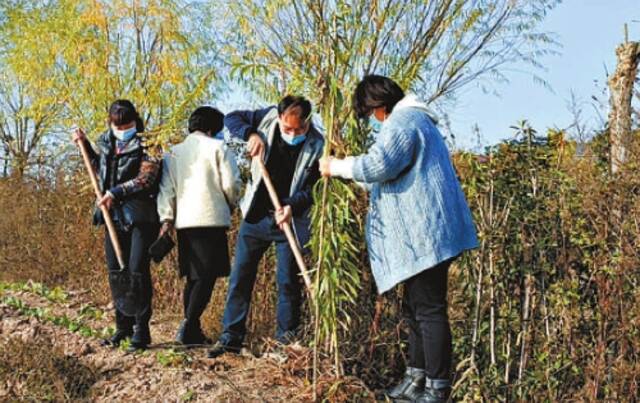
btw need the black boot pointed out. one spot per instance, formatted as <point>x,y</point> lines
<point>141,338</point>
<point>222,348</point>
<point>435,391</point>
<point>411,386</point>
<point>117,338</point>
<point>189,334</point>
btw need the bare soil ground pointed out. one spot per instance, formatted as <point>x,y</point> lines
<point>165,372</point>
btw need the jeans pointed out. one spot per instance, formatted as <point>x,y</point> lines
<point>135,244</point>
<point>253,241</point>
<point>425,300</point>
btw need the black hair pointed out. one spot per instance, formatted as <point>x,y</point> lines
<point>373,92</point>
<point>123,112</point>
<point>206,119</point>
<point>292,102</point>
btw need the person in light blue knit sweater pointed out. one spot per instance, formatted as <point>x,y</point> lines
<point>418,223</point>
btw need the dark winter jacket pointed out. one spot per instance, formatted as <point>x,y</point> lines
<point>131,175</point>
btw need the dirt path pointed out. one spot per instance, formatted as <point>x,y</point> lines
<point>166,372</point>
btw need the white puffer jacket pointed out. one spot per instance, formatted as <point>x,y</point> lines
<point>200,183</point>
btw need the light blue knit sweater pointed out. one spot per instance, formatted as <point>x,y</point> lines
<point>418,215</point>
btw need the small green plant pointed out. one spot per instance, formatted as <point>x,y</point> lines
<point>125,344</point>
<point>56,294</point>
<point>90,312</point>
<point>188,396</point>
<point>106,332</point>
<point>172,358</point>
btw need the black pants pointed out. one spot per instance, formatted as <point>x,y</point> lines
<point>203,257</point>
<point>425,299</point>
<point>135,244</point>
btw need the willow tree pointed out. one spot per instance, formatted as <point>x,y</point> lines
<point>322,48</point>
<point>26,115</point>
<point>24,122</point>
<point>80,55</point>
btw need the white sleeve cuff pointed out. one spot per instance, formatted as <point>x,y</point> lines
<point>342,168</point>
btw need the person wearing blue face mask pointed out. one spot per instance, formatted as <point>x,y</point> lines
<point>375,124</point>
<point>290,146</point>
<point>124,135</point>
<point>128,176</point>
<point>419,224</point>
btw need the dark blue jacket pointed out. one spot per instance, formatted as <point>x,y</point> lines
<point>131,175</point>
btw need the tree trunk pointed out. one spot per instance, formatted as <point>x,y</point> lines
<point>621,86</point>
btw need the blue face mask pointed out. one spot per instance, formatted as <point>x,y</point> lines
<point>375,124</point>
<point>124,135</point>
<point>293,140</point>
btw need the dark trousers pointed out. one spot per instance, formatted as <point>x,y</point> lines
<point>425,299</point>
<point>203,257</point>
<point>134,243</point>
<point>253,241</point>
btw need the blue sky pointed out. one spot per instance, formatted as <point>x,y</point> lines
<point>588,31</point>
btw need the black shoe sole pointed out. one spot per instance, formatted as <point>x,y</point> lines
<point>137,348</point>
<point>196,344</point>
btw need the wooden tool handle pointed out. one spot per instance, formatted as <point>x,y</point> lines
<point>293,242</point>
<point>105,212</point>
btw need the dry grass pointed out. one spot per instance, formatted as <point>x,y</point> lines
<point>37,370</point>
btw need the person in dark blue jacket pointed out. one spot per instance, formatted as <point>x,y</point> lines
<point>290,146</point>
<point>128,177</point>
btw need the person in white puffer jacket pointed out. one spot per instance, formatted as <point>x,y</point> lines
<point>199,188</point>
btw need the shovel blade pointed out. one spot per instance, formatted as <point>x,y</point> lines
<point>126,291</point>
